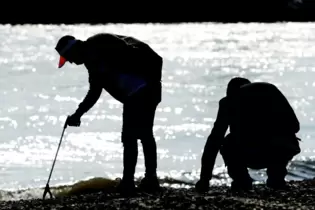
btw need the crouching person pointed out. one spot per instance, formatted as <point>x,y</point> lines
<point>263,129</point>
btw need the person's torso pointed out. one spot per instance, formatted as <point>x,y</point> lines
<point>119,67</point>
<point>260,109</point>
<point>125,55</point>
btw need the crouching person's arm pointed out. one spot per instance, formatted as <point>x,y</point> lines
<point>212,147</point>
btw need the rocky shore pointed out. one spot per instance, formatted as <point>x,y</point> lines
<point>300,195</point>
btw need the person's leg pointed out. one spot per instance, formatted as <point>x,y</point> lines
<point>150,181</point>
<point>149,102</point>
<point>138,120</point>
<point>148,141</point>
<point>130,156</point>
<point>276,172</point>
<point>130,134</point>
<point>279,157</point>
<point>234,159</point>
<point>280,153</point>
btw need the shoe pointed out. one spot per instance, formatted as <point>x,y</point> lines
<point>277,184</point>
<point>126,188</point>
<point>237,186</point>
<point>150,184</point>
<point>202,186</point>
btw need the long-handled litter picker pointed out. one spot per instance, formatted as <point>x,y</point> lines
<point>47,188</point>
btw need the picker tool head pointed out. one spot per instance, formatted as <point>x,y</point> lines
<point>47,190</point>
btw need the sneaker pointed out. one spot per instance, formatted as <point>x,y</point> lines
<point>276,184</point>
<point>126,188</point>
<point>150,184</point>
<point>202,186</point>
<point>237,186</point>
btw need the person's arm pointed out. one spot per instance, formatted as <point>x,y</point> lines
<point>91,97</point>
<point>214,141</point>
<point>285,112</point>
<point>291,118</point>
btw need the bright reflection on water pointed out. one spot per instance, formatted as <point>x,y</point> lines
<point>199,60</point>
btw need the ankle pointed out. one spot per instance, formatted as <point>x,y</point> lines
<point>150,175</point>
<point>128,178</point>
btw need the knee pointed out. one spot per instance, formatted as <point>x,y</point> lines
<point>148,142</point>
<point>129,140</point>
<point>227,151</point>
<point>147,136</point>
<point>232,155</point>
<point>227,155</point>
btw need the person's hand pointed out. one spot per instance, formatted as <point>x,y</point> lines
<point>74,120</point>
<point>202,186</point>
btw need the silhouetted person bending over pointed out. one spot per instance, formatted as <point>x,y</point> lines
<point>263,129</point>
<point>130,71</point>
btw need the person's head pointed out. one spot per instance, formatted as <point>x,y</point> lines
<point>235,84</point>
<point>70,49</point>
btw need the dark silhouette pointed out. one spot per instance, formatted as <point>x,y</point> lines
<point>130,71</point>
<point>263,129</point>
<point>137,12</point>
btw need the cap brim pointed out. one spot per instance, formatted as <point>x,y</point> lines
<point>62,62</point>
